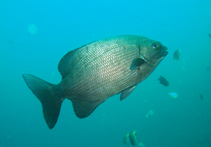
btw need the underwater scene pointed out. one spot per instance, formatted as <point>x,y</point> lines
<point>105,73</point>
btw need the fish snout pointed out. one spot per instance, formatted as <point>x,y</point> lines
<point>164,51</point>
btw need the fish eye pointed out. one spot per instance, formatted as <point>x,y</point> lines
<point>155,46</point>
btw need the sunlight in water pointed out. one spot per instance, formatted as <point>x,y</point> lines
<point>32,29</point>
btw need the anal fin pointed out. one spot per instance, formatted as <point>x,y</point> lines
<point>83,109</point>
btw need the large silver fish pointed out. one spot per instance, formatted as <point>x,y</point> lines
<point>96,71</point>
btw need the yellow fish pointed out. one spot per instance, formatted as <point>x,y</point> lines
<point>126,138</point>
<point>133,138</point>
<point>141,144</point>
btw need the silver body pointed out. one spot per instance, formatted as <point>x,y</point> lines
<point>102,69</point>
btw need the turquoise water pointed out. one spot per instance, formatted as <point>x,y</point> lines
<point>34,36</point>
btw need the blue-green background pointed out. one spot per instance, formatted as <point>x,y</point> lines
<point>66,25</point>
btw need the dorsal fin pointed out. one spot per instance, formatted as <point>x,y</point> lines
<point>65,63</point>
<point>70,60</point>
<point>83,109</point>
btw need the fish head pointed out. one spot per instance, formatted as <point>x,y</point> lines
<point>152,52</point>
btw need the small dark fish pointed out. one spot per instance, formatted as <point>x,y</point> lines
<point>163,81</point>
<point>201,95</point>
<point>177,54</point>
<point>209,35</point>
<point>208,68</point>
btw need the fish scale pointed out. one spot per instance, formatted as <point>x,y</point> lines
<point>118,71</point>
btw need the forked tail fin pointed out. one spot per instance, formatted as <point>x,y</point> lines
<point>51,103</point>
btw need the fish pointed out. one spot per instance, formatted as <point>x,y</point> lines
<point>133,138</point>
<point>149,114</point>
<point>172,94</point>
<point>208,68</point>
<point>96,71</point>
<point>177,54</point>
<point>141,144</point>
<point>163,81</point>
<point>209,35</point>
<point>201,95</point>
<point>126,138</point>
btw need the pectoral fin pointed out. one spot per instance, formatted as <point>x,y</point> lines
<point>137,62</point>
<point>127,92</point>
<point>83,109</point>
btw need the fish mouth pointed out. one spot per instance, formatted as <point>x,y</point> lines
<point>164,51</point>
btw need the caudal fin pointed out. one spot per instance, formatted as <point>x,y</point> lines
<point>51,103</point>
